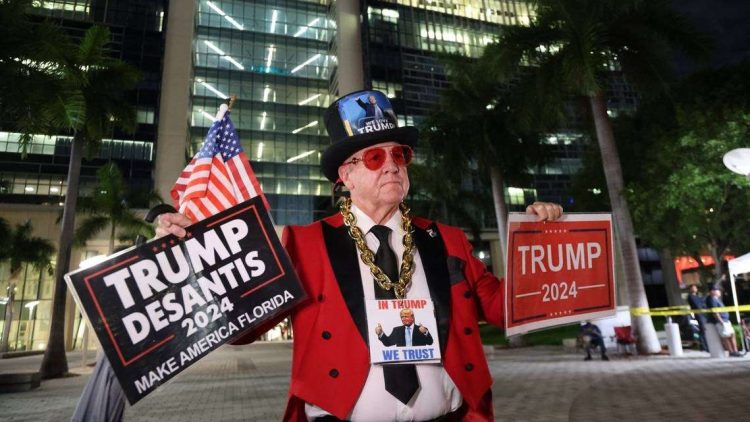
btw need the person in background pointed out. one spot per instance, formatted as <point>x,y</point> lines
<point>592,337</point>
<point>698,303</point>
<point>745,322</point>
<point>720,320</point>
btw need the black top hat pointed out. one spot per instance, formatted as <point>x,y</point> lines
<point>357,121</point>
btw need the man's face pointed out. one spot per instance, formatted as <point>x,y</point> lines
<point>407,317</point>
<point>716,293</point>
<point>372,99</point>
<point>371,190</point>
<point>693,289</point>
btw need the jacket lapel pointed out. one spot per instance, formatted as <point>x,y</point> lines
<point>432,252</point>
<point>342,254</point>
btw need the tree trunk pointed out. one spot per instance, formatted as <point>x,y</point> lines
<point>112,238</point>
<point>669,275</point>
<point>501,208</point>
<point>54,363</point>
<point>717,266</point>
<point>501,215</point>
<point>643,326</point>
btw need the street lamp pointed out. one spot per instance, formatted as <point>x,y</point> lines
<point>738,160</point>
<point>30,306</point>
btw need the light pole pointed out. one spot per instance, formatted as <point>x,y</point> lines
<point>738,161</point>
<point>31,306</point>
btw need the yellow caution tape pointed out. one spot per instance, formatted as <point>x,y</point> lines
<point>684,310</point>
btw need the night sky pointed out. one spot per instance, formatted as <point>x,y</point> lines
<point>728,21</point>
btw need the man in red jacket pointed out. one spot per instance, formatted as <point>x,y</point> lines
<point>374,250</point>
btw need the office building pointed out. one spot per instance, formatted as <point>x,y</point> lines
<point>286,61</point>
<point>274,57</point>
<point>32,188</point>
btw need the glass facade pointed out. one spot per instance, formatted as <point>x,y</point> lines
<point>500,12</point>
<point>279,58</point>
<point>136,27</point>
<point>274,57</point>
<point>404,37</point>
<point>32,307</point>
<point>40,177</point>
<point>402,42</point>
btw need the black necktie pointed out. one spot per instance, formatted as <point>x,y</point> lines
<point>400,379</point>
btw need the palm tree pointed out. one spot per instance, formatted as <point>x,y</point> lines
<point>478,126</point>
<point>31,55</point>
<point>447,198</point>
<point>577,45</point>
<point>21,249</point>
<point>109,207</point>
<point>92,101</point>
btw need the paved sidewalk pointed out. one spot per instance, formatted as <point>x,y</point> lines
<point>531,384</point>
<point>547,384</point>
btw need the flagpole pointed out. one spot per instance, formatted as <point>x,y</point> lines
<point>227,106</point>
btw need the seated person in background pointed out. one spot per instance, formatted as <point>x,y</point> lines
<point>592,337</point>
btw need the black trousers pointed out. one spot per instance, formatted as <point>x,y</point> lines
<point>596,342</point>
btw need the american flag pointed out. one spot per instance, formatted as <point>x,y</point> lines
<point>218,177</point>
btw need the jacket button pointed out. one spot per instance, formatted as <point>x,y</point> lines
<point>467,331</point>
<point>333,373</point>
<point>320,297</point>
<point>467,294</point>
<point>326,335</point>
<point>469,366</point>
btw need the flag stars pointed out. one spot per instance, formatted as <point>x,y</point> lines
<point>561,313</point>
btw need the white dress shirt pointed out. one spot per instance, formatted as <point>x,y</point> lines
<point>437,394</point>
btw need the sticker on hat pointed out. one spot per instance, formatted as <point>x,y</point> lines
<point>366,112</point>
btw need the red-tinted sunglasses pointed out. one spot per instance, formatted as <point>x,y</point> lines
<point>374,158</point>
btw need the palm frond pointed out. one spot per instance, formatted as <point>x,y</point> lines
<point>92,50</point>
<point>24,248</point>
<point>66,110</point>
<point>132,226</point>
<point>89,228</point>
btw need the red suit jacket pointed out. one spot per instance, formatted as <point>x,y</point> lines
<point>331,358</point>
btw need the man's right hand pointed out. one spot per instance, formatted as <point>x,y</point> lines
<point>172,223</point>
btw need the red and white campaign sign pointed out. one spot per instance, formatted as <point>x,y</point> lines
<point>558,272</point>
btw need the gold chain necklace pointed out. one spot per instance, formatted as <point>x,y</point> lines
<point>407,260</point>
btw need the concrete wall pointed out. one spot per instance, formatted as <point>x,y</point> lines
<point>174,109</point>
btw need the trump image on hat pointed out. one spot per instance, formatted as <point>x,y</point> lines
<point>359,120</point>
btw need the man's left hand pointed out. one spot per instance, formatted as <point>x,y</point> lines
<point>422,329</point>
<point>545,211</point>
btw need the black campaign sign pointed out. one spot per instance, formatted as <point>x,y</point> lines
<point>160,307</point>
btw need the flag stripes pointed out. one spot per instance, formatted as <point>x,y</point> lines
<point>218,177</point>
